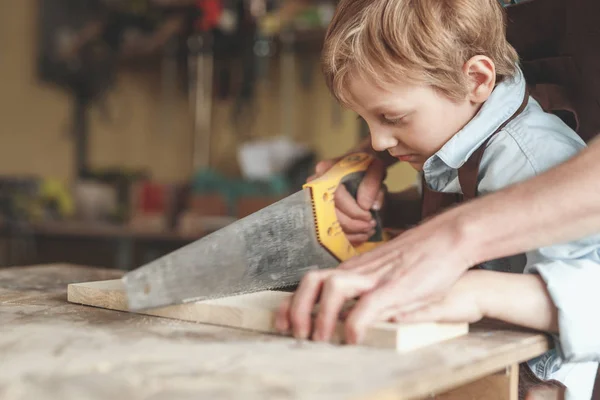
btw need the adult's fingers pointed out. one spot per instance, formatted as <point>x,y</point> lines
<point>400,290</point>
<point>366,311</point>
<point>382,255</point>
<point>337,289</point>
<point>282,317</point>
<point>428,313</point>
<point>303,302</point>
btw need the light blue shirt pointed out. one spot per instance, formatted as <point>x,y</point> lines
<point>528,145</point>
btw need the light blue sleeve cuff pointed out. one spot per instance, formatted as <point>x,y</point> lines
<point>574,286</point>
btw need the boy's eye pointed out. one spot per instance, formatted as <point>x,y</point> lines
<point>391,121</point>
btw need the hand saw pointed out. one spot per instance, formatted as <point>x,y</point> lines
<point>270,249</point>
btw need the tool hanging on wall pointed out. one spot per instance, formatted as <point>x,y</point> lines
<point>225,49</point>
<point>200,64</point>
<point>244,108</point>
<point>73,56</point>
<point>287,82</point>
<point>168,75</point>
<point>263,43</point>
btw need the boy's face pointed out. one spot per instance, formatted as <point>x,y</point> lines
<point>411,122</point>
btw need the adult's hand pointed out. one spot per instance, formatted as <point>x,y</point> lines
<point>354,214</point>
<point>410,271</point>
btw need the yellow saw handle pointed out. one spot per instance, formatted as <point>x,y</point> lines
<point>349,171</point>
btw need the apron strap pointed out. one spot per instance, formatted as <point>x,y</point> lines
<point>468,174</point>
<point>433,202</point>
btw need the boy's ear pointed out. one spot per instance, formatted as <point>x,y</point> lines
<point>481,78</point>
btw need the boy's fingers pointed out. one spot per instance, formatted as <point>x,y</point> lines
<point>346,204</point>
<point>371,184</point>
<point>379,200</point>
<point>357,239</point>
<point>321,168</point>
<point>324,166</point>
<point>350,225</point>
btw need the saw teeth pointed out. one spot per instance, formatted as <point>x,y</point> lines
<point>240,293</point>
<point>314,214</point>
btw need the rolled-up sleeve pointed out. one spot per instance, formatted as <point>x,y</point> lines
<point>570,270</point>
<point>572,276</point>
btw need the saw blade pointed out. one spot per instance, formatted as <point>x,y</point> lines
<point>272,248</point>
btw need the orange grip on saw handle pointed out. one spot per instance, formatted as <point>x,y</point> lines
<point>349,171</point>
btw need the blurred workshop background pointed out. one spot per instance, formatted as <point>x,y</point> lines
<point>129,128</point>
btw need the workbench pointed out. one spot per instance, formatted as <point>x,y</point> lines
<point>107,244</point>
<point>51,349</point>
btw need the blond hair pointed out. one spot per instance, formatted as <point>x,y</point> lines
<point>414,41</point>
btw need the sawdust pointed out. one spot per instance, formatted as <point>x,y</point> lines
<point>74,361</point>
<point>53,278</point>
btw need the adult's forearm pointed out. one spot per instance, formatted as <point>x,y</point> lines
<point>559,205</point>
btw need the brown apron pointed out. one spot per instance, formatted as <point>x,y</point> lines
<point>558,42</point>
<point>559,45</point>
<point>434,202</point>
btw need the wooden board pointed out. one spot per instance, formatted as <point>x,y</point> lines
<point>256,311</point>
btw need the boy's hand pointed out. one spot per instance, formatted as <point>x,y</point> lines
<point>407,273</point>
<point>463,303</point>
<point>354,215</point>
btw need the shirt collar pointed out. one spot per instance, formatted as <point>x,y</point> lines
<point>504,101</point>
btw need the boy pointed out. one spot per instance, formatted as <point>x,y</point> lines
<point>439,87</point>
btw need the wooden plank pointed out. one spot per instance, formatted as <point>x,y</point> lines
<point>256,311</point>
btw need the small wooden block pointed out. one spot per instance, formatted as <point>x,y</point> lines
<point>256,311</point>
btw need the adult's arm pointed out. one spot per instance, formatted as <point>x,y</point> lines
<point>559,205</point>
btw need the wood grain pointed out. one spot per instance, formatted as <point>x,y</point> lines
<point>256,311</point>
<point>98,354</point>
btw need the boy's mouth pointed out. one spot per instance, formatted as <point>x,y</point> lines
<point>407,157</point>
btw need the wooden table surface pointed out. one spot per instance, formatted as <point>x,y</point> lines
<point>50,349</point>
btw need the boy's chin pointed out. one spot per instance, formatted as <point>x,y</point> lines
<point>416,165</point>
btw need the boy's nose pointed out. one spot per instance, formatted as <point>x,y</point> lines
<point>382,142</point>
